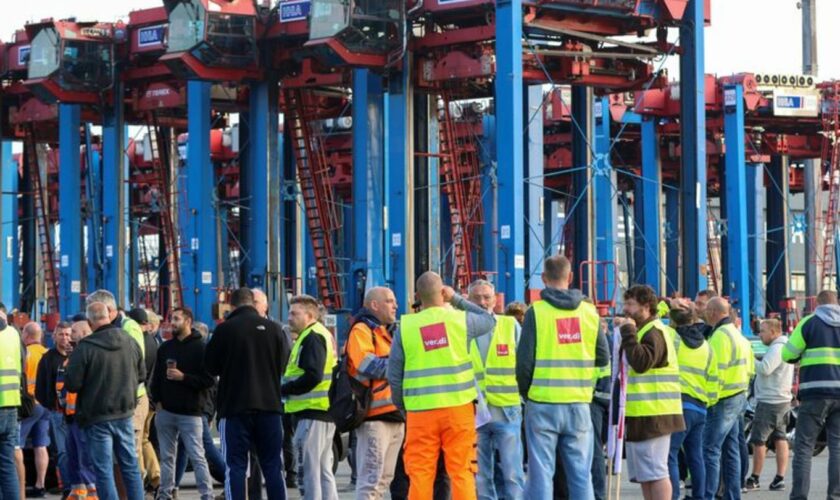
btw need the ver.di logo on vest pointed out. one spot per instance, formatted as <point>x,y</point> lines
<point>434,336</point>
<point>502,350</point>
<point>568,331</point>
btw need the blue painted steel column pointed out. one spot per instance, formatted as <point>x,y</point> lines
<point>262,161</point>
<point>368,188</point>
<point>647,205</point>
<point>604,193</point>
<point>778,279</point>
<point>114,203</point>
<point>398,169</point>
<point>198,220</point>
<point>693,139</point>
<point>93,193</point>
<point>10,281</point>
<point>756,200</point>
<point>69,209</point>
<point>672,239</point>
<point>490,186</point>
<point>536,190</point>
<point>510,149</point>
<point>737,235</point>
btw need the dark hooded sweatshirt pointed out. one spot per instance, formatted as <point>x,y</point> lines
<point>693,336</point>
<point>650,353</point>
<point>104,370</point>
<point>182,397</point>
<point>527,349</point>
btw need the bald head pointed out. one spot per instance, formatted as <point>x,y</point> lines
<point>382,303</point>
<point>260,302</point>
<point>79,330</point>
<point>32,333</point>
<point>717,309</point>
<point>429,287</point>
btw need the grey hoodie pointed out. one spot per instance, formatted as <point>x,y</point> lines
<point>829,313</point>
<point>104,369</point>
<point>527,348</point>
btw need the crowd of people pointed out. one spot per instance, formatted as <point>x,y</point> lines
<point>456,400</point>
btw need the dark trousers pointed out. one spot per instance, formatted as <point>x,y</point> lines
<point>260,431</point>
<point>289,449</point>
<point>599,413</point>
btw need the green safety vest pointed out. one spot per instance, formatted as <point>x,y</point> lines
<point>496,375</point>
<point>318,398</point>
<point>698,372</point>
<point>438,372</point>
<point>564,368</point>
<point>10,368</point>
<point>657,391</point>
<point>734,358</point>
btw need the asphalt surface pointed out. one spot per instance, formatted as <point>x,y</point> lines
<point>819,483</point>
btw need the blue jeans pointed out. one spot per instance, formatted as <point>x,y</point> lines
<point>691,441</point>
<point>504,436</point>
<point>215,461</point>
<point>9,436</point>
<point>171,428</point>
<point>264,431</point>
<point>103,440</point>
<point>569,427</point>
<point>59,438</point>
<point>721,444</point>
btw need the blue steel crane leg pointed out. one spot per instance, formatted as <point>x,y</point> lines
<point>693,140</point>
<point>536,189</point>
<point>580,208</point>
<point>69,209</point>
<point>737,234</point>
<point>646,210</point>
<point>490,196</point>
<point>510,149</point>
<point>398,169</point>
<point>604,193</point>
<point>198,221</point>
<point>368,191</point>
<point>672,239</point>
<point>10,281</point>
<point>114,201</point>
<point>778,284</point>
<point>756,200</point>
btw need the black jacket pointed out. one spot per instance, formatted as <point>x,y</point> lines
<point>105,369</point>
<point>311,359</point>
<point>45,378</point>
<point>249,354</point>
<point>526,350</point>
<point>151,348</point>
<point>184,397</point>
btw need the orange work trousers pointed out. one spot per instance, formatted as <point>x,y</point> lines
<point>451,430</point>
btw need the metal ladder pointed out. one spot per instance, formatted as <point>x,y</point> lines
<point>318,196</point>
<point>831,161</point>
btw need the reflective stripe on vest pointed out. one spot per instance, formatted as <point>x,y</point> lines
<point>657,391</point>
<point>565,354</point>
<point>694,371</point>
<point>10,367</point>
<point>733,361</point>
<point>318,397</point>
<point>498,380</point>
<point>438,371</point>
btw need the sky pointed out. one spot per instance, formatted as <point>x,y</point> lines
<point>759,36</point>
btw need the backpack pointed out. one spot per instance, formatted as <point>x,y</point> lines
<point>349,399</point>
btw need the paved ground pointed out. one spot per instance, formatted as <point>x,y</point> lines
<point>819,484</point>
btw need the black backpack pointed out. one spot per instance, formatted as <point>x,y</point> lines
<point>349,398</point>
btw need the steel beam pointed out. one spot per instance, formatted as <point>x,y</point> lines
<point>581,207</point>
<point>199,262</point>
<point>646,212</point>
<point>737,233</point>
<point>510,149</point>
<point>69,209</point>
<point>10,270</point>
<point>672,239</point>
<point>604,197</point>
<point>778,280</point>
<point>115,272</point>
<point>535,189</point>
<point>490,196</point>
<point>693,140</point>
<point>399,166</point>
<point>756,200</point>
